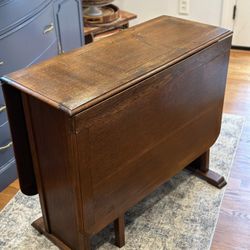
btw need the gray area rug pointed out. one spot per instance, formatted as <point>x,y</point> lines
<point>182,214</point>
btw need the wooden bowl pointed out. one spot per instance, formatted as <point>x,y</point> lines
<point>110,13</point>
<point>96,2</point>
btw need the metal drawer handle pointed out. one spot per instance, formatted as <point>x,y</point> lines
<point>2,108</point>
<point>48,28</point>
<point>1,63</point>
<point>6,146</point>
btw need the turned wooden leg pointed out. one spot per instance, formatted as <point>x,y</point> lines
<point>119,225</point>
<point>200,167</point>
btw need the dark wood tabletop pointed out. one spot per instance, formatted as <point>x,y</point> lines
<point>73,82</point>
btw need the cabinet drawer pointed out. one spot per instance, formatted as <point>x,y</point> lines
<point>3,115</point>
<point>50,52</point>
<point>6,149</point>
<point>1,96</point>
<point>69,25</point>
<point>21,48</point>
<point>14,12</point>
<point>3,112</point>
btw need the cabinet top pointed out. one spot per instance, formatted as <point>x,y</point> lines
<point>79,79</point>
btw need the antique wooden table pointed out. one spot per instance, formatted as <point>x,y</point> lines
<point>97,129</point>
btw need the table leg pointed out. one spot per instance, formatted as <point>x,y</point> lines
<point>89,38</point>
<point>200,167</point>
<point>85,242</point>
<point>125,26</point>
<point>119,225</point>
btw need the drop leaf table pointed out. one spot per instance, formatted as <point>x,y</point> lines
<point>98,129</point>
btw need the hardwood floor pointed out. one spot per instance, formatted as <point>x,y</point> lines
<point>8,193</point>
<point>233,228</point>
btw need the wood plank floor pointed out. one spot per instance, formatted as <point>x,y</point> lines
<point>233,229</point>
<point>8,193</point>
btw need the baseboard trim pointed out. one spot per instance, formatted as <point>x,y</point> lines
<point>240,48</point>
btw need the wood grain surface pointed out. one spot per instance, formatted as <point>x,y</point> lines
<point>19,134</point>
<point>92,165</point>
<point>158,117</point>
<point>87,171</point>
<point>73,81</point>
<point>232,231</point>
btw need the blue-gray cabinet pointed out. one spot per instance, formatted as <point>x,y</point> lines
<point>67,25</point>
<point>32,31</point>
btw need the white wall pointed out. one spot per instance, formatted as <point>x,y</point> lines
<point>206,11</point>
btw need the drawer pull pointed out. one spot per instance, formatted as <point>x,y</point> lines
<point>6,146</point>
<point>48,28</point>
<point>1,62</point>
<point>3,108</point>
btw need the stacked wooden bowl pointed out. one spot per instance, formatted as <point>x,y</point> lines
<point>99,12</point>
